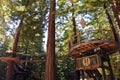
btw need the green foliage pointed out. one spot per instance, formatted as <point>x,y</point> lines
<point>115,61</point>
<point>35,20</point>
<point>3,48</point>
<point>33,27</point>
<point>2,70</point>
<point>37,71</point>
<point>32,31</point>
<point>65,69</point>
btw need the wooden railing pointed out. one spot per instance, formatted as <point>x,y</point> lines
<point>90,35</point>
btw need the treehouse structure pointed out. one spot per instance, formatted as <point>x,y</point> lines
<point>19,68</point>
<point>91,50</point>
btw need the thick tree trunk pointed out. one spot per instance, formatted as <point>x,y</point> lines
<point>50,59</point>
<point>10,66</point>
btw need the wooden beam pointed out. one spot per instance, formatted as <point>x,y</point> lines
<point>32,61</point>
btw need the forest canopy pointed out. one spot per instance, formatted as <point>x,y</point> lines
<point>27,21</point>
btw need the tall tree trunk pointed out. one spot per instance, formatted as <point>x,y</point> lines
<point>50,59</point>
<point>17,35</point>
<point>73,20</point>
<point>10,66</point>
<point>111,24</point>
<point>74,23</point>
<point>77,73</point>
<point>115,11</point>
<point>9,73</point>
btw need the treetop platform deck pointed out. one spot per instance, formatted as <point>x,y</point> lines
<point>92,40</point>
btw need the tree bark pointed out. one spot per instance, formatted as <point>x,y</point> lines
<point>111,24</point>
<point>9,72</point>
<point>50,56</point>
<point>115,11</point>
<point>10,66</point>
<point>73,20</point>
<point>17,35</point>
<point>77,73</point>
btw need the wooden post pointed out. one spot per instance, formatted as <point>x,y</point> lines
<point>77,75</point>
<point>82,74</point>
<point>103,69</point>
<point>9,73</point>
<point>110,69</point>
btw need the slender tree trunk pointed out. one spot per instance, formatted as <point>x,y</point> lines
<point>115,11</point>
<point>77,73</point>
<point>9,71</point>
<point>17,35</point>
<point>111,24</point>
<point>10,66</point>
<point>73,20</point>
<point>50,59</point>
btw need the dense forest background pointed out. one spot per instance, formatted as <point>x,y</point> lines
<point>30,19</point>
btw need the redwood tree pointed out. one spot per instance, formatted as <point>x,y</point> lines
<point>50,59</point>
<point>115,7</point>
<point>77,73</point>
<point>111,23</point>
<point>11,64</point>
<point>73,18</point>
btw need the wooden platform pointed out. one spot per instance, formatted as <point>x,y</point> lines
<point>81,48</point>
<point>97,39</point>
<point>109,47</point>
